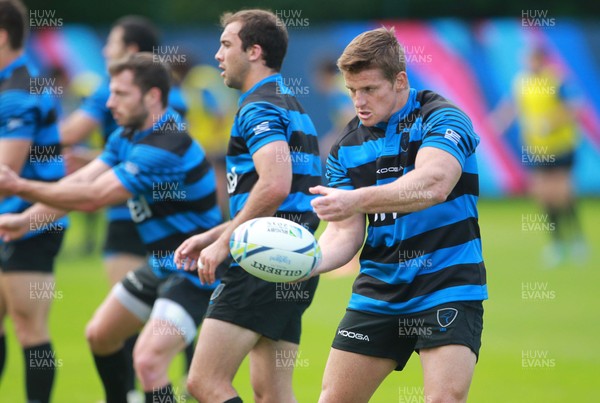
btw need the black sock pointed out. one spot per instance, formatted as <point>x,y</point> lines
<point>555,227</point>
<point>129,344</point>
<point>2,353</point>
<point>162,394</point>
<point>572,218</point>
<point>40,366</point>
<point>189,355</point>
<point>111,369</point>
<point>236,399</point>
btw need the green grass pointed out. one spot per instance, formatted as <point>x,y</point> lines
<point>563,324</point>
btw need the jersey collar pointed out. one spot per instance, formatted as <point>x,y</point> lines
<point>137,135</point>
<point>265,80</point>
<point>401,113</point>
<point>8,70</point>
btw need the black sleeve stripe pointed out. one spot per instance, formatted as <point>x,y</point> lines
<point>300,183</point>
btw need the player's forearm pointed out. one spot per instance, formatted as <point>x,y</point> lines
<point>338,247</point>
<point>414,191</point>
<point>214,233</point>
<point>65,195</point>
<point>44,214</point>
<point>263,201</point>
<point>76,128</point>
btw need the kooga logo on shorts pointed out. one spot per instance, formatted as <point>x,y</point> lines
<point>353,335</point>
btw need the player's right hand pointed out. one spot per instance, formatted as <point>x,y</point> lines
<point>13,226</point>
<point>187,254</point>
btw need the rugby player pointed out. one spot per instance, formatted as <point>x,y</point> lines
<point>407,164</point>
<point>29,145</point>
<point>150,152</point>
<point>272,160</point>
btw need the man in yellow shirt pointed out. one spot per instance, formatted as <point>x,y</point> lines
<point>549,138</point>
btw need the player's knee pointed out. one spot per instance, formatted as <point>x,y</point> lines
<point>194,388</point>
<point>206,390</point>
<point>28,328</point>
<point>148,366</point>
<point>96,336</point>
<point>447,395</point>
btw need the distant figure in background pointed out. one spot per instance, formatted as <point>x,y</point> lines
<point>546,116</point>
<point>330,85</point>
<point>212,107</point>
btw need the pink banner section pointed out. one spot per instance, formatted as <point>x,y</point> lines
<point>445,71</point>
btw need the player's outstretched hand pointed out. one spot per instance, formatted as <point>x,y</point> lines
<point>334,205</point>
<point>8,181</point>
<point>13,226</point>
<point>187,254</point>
<point>210,258</point>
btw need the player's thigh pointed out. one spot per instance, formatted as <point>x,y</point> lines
<point>271,368</point>
<point>353,378</point>
<point>447,372</point>
<point>220,350</point>
<point>28,295</point>
<point>118,265</point>
<point>113,322</point>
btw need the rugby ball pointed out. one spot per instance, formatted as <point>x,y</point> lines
<point>275,249</point>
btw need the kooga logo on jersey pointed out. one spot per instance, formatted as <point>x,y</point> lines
<point>388,169</point>
<point>353,335</point>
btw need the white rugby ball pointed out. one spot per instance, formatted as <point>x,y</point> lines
<point>275,249</point>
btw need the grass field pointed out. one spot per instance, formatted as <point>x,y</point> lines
<point>539,334</point>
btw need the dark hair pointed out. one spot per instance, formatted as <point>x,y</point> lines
<point>263,28</point>
<point>13,19</point>
<point>377,48</point>
<point>147,73</point>
<point>140,31</point>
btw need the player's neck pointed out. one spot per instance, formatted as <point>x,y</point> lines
<point>7,56</point>
<point>153,118</point>
<point>256,75</point>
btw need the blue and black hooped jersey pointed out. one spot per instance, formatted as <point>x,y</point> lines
<point>412,262</point>
<point>95,107</point>
<point>269,112</point>
<point>173,184</point>
<point>29,111</point>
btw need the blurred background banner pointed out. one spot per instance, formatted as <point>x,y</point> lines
<point>471,63</point>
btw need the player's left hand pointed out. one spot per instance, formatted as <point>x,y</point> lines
<point>210,258</point>
<point>8,181</point>
<point>13,226</point>
<point>335,204</point>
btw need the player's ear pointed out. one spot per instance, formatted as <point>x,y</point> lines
<point>3,37</point>
<point>154,95</point>
<point>401,81</point>
<point>254,52</point>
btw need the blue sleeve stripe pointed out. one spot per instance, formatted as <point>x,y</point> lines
<point>446,145</point>
<point>305,164</point>
<point>254,146</point>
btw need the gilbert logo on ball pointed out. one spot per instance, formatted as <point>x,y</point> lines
<point>275,249</point>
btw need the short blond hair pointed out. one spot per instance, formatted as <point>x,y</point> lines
<point>377,48</point>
